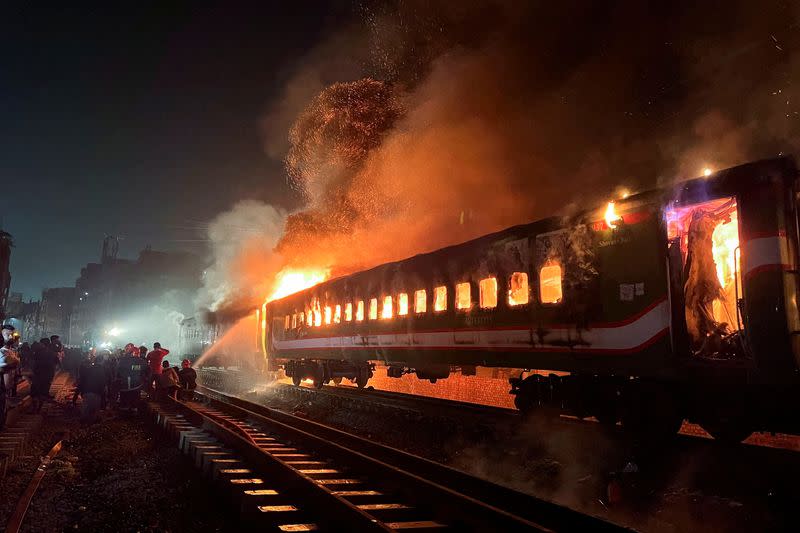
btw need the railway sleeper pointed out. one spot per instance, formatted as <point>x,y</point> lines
<point>384,506</point>
<point>256,504</point>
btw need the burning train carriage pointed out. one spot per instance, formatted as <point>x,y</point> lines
<point>648,311</point>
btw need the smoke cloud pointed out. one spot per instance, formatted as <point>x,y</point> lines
<point>244,262</point>
<point>456,120</point>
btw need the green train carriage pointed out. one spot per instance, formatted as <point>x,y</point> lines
<point>606,301</point>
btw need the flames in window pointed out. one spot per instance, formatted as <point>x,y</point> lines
<point>373,308</point>
<point>463,296</point>
<point>337,314</point>
<point>440,298</point>
<point>348,312</point>
<point>518,289</point>
<point>317,313</point>
<point>550,283</point>
<point>421,301</point>
<point>402,304</point>
<point>708,236</point>
<point>488,293</point>
<point>328,314</point>
<point>360,311</point>
<point>386,309</point>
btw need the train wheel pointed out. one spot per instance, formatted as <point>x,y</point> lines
<point>319,377</point>
<point>362,377</point>
<point>296,378</point>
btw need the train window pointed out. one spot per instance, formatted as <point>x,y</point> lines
<point>463,296</point>
<point>440,298</point>
<point>309,318</point>
<point>421,301</point>
<point>373,308</point>
<point>301,319</point>
<point>317,314</point>
<point>402,304</point>
<point>488,293</point>
<point>294,321</point>
<point>360,311</point>
<point>348,312</point>
<point>550,284</point>
<point>337,314</point>
<point>518,289</point>
<point>386,308</point>
<point>287,322</point>
<point>328,314</point>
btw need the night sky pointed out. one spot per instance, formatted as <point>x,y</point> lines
<point>148,123</point>
<point>142,123</point>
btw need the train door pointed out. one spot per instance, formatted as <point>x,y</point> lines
<point>705,278</point>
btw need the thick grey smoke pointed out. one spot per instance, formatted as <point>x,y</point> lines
<point>510,111</point>
<point>244,264</point>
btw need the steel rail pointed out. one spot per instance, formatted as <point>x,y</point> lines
<point>18,516</point>
<point>450,507</point>
<point>336,513</point>
<point>460,486</point>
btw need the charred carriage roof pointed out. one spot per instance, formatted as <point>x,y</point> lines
<point>370,282</point>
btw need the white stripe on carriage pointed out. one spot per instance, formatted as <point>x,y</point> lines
<point>765,251</point>
<point>623,337</point>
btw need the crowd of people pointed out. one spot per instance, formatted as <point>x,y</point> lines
<point>104,379</point>
<point>118,379</point>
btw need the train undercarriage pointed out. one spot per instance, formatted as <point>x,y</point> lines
<point>322,372</point>
<point>643,406</point>
<point>730,413</point>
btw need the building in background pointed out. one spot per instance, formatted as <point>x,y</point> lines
<point>55,311</point>
<point>141,301</point>
<point>6,242</point>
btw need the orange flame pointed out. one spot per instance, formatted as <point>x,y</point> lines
<point>290,280</point>
<point>611,215</point>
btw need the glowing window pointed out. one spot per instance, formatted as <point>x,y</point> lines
<point>373,308</point>
<point>294,321</point>
<point>420,301</point>
<point>386,308</point>
<point>309,318</point>
<point>360,311</point>
<point>550,284</point>
<point>337,314</point>
<point>348,312</point>
<point>287,322</point>
<point>463,296</point>
<point>402,304</point>
<point>518,289</point>
<point>301,318</point>
<point>488,293</point>
<point>317,315</point>
<point>440,298</point>
<point>328,314</point>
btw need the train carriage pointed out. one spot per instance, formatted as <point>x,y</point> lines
<point>670,304</point>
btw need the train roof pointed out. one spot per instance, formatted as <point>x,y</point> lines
<point>692,190</point>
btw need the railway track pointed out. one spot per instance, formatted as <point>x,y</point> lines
<point>291,474</point>
<point>450,412</point>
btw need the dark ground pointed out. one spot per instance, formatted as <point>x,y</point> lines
<point>686,485</point>
<point>112,476</point>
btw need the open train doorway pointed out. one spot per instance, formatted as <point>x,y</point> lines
<point>704,246</point>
